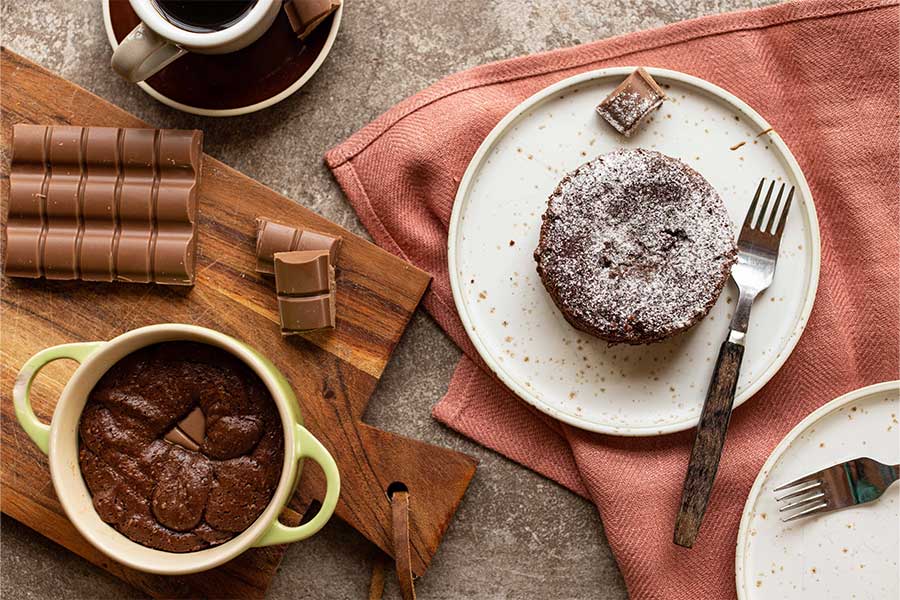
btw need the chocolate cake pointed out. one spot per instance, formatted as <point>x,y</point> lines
<point>147,475</point>
<point>635,246</point>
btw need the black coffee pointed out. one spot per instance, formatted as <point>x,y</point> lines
<point>204,15</point>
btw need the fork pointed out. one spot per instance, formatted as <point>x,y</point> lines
<point>752,273</point>
<point>849,483</point>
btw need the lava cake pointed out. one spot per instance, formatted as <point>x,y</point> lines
<point>635,246</point>
<point>182,446</point>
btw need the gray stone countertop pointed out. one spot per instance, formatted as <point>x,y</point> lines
<point>516,534</point>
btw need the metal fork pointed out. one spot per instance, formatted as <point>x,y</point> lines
<point>853,482</point>
<point>757,254</point>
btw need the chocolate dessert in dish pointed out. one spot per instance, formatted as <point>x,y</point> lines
<point>635,246</point>
<point>181,446</point>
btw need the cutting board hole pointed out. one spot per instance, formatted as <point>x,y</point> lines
<point>397,486</point>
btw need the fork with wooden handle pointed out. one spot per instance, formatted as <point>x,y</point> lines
<point>752,273</point>
<point>849,483</point>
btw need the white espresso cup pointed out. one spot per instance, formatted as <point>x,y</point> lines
<point>158,40</point>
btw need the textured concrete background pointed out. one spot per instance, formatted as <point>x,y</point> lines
<point>516,535</point>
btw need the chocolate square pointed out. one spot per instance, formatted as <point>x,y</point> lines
<point>273,237</point>
<point>631,101</point>
<point>304,280</point>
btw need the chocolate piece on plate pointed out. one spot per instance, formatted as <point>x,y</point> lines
<point>304,281</point>
<point>631,101</point>
<point>306,15</point>
<point>103,204</point>
<point>273,237</point>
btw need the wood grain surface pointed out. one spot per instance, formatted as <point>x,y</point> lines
<point>333,372</point>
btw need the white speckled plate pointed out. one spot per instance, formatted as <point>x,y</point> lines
<point>850,553</point>
<point>520,334</point>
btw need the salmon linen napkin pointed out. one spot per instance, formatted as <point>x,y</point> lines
<point>825,75</point>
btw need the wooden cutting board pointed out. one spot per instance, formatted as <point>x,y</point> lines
<point>333,373</point>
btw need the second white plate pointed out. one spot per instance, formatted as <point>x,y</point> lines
<point>850,553</point>
<point>513,323</point>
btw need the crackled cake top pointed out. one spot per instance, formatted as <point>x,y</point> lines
<point>153,483</point>
<point>635,246</point>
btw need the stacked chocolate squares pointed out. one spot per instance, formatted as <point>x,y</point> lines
<point>303,264</point>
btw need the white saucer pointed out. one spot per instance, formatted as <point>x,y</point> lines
<point>514,324</point>
<point>241,110</point>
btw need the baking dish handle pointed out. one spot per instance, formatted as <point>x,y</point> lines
<point>38,431</point>
<point>308,447</point>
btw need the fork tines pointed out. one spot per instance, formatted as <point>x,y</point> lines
<point>760,219</point>
<point>805,493</point>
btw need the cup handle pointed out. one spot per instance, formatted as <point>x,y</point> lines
<point>308,447</point>
<point>40,432</point>
<point>142,53</point>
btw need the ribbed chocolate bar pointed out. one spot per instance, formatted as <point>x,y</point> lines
<point>304,281</point>
<point>103,204</point>
<point>272,237</point>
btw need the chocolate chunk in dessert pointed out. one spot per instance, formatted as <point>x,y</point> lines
<point>194,425</point>
<point>306,15</point>
<point>177,436</point>
<point>181,446</point>
<point>273,237</point>
<point>634,247</point>
<point>190,431</point>
<point>103,204</point>
<point>631,101</point>
<point>304,281</point>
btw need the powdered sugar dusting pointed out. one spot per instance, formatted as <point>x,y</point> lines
<point>625,110</point>
<point>631,101</point>
<point>635,246</point>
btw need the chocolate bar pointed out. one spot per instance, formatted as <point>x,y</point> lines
<point>304,281</point>
<point>103,204</point>
<point>273,237</point>
<point>631,101</point>
<point>306,15</point>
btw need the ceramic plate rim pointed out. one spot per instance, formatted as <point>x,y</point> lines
<point>241,110</point>
<point>775,456</point>
<point>500,130</point>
